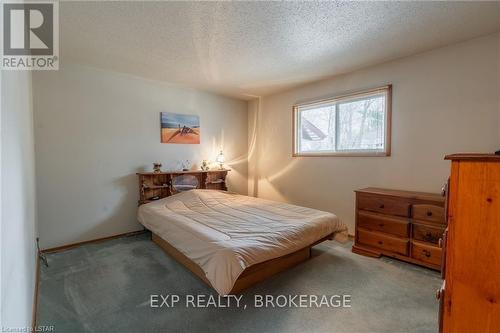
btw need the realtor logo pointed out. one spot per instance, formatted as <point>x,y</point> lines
<point>30,32</point>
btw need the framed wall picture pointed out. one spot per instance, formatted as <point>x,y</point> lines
<point>180,128</point>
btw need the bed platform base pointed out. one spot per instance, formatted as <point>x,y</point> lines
<point>250,276</point>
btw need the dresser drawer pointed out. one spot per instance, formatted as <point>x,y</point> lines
<point>384,205</point>
<point>427,233</point>
<point>384,242</point>
<point>430,213</point>
<point>426,253</point>
<point>383,223</point>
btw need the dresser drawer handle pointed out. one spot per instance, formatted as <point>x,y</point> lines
<point>426,253</point>
<point>380,224</point>
<point>429,237</point>
<point>380,242</point>
<point>429,213</point>
<point>381,206</point>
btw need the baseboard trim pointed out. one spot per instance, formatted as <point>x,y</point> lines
<point>70,246</point>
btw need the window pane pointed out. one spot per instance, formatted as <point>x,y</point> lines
<point>317,129</point>
<point>361,124</point>
<point>356,124</point>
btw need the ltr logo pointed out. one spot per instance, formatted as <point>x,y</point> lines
<point>28,29</point>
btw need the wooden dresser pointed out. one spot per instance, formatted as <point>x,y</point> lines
<point>400,224</point>
<point>157,185</point>
<point>470,294</point>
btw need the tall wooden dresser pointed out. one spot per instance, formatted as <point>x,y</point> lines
<point>470,295</point>
<point>401,224</point>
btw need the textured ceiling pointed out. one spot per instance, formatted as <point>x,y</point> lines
<point>257,48</point>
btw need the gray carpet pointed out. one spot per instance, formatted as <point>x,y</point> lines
<point>106,287</point>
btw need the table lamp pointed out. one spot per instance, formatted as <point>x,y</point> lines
<point>220,159</point>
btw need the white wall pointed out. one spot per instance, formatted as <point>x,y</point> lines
<point>444,101</point>
<point>95,129</point>
<point>18,227</point>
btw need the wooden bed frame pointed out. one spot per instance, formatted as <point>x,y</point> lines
<point>251,275</point>
<point>161,185</point>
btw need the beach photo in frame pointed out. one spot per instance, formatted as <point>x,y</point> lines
<point>180,128</point>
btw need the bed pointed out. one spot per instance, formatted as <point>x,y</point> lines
<point>233,241</point>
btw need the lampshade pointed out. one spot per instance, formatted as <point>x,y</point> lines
<point>220,158</point>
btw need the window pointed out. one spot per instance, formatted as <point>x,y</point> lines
<point>353,125</point>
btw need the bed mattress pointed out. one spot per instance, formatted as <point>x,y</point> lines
<point>224,233</point>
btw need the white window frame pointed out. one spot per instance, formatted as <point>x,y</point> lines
<point>387,90</point>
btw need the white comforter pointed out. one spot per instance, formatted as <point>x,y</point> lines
<point>225,233</point>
